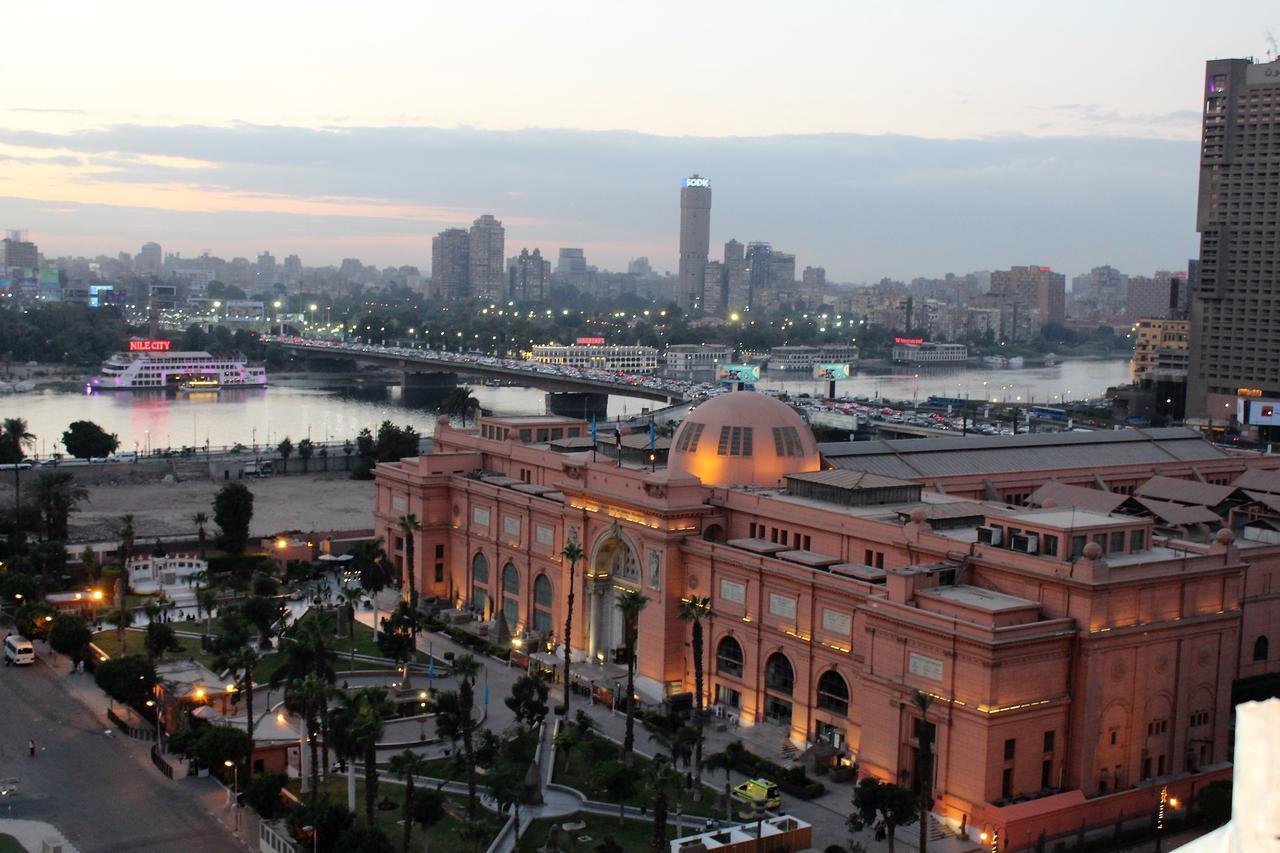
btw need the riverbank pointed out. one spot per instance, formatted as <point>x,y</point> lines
<point>297,502</point>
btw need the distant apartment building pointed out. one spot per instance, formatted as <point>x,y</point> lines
<point>640,266</point>
<point>528,277</point>
<point>267,274</point>
<point>713,285</point>
<point>1018,321</point>
<point>487,268</point>
<point>571,267</point>
<point>688,359</point>
<point>632,359</point>
<point>150,259</point>
<point>1161,295</point>
<point>1100,294</point>
<point>695,239</point>
<point>450,262</point>
<point>1162,344</point>
<point>737,278</point>
<point>21,254</point>
<point>927,352</point>
<point>1040,288</point>
<point>292,273</point>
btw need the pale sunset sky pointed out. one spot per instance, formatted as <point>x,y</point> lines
<point>873,139</point>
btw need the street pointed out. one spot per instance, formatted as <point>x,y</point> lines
<point>100,791</point>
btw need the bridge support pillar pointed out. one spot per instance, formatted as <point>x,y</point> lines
<point>579,404</point>
<point>411,381</point>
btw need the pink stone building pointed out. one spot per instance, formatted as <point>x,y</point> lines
<point>1075,646</point>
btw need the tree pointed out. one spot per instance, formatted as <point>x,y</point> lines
<point>127,679</point>
<point>304,697</point>
<point>207,599</point>
<point>694,610</point>
<point>924,766</point>
<point>661,777</point>
<point>241,664</point>
<point>727,760</point>
<point>460,401</point>
<point>126,534</point>
<point>33,619</point>
<point>232,512</point>
<point>375,571</point>
<point>1214,800</point>
<point>347,449</point>
<point>365,838</point>
<point>410,526</point>
<point>218,744</point>
<point>56,494</point>
<point>89,559</point>
<point>618,781</point>
<point>573,553</point>
<point>324,454</point>
<point>509,788</point>
<point>69,634</point>
<point>160,638</point>
<point>427,810</point>
<point>396,640</point>
<point>263,795</point>
<point>466,668</point>
<point>262,613</point>
<point>87,440</point>
<point>528,700</point>
<point>328,820</point>
<point>200,519</point>
<point>305,451</point>
<point>894,805</point>
<point>349,598</point>
<point>16,586</point>
<point>285,449</point>
<point>630,603</point>
<point>14,442</point>
<point>406,766</point>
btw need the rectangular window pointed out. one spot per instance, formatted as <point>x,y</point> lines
<point>752,533</point>
<point>868,558</point>
<point>837,622</point>
<point>879,559</point>
<point>511,525</point>
<point>1137,540</point>
<point>1077,546</point>
<point>1009,746</point>
<point>1046,775</point>
<point>733,591</point>
<point>1006,784</point>
<point>439,552</point>
<point>480,517</point>
<point>439,572</point>
<point>399,543</point>
<point>782,605</point>
<point>545,535</point>
<point>1048,741</point>
<point>397,503</point>
<point>1050,544</point>
<point>1117,543</point>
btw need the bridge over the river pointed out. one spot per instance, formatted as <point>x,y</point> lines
<point>578,396</point>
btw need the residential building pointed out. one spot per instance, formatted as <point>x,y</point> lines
<point>1040,288</point>
<point>1162,344</point>
<point>450,265</point>
<point>571,267</point>
<point>528,277</point>
<point>695,239</point>
<point>150,260</point>
<point>640,266</point>
<point>21,254</point>
<point>1235,334</point>
<point>737,277</point>
<point>1158,296</point>
<point>486,271</point>
<point>713,285</point>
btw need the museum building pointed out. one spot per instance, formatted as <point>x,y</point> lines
<point>1071,610</point>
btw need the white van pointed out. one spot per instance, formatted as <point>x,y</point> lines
<point>18,650</point>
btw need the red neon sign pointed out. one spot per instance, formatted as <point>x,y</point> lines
<point>591,342</point>
<point>908,340</point>
<point>150,346</point>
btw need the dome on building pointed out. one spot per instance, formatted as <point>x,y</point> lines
<point>743,439</point>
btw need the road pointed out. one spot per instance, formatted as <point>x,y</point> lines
<point>101,792</point>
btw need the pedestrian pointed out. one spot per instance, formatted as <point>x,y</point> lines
<point>31,748</point>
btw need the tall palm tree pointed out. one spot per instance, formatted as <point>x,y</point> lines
<point>15,438</point>
<point>573,553</point>
<point>372,707</point>
<point>467,668</point>
<point>631,603</point>
<point>924,767</point>
<point>241,662</point>
<point>406,766</point>
<point>694,610</point>
<point>56,494</point>
<point>409,526</point>
<point>305,696</point>
<point>126,534</point>
<point>727,760</point>
<point>349,597</point>
<point>460,401</point>
<point>661,777</point>
<point>207,599</point>
<point>200,519</point>
<point>375,572</point>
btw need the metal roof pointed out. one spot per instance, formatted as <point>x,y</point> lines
<point>1191,492</point>
<point>1079,496</point>
<point>1258,480</point>
<point>842,479</point>
<point>1172,513</point>
<point>976,455</point>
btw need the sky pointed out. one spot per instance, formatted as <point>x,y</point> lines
<point>874,140</point>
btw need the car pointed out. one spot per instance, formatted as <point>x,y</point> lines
<point>758,789</point>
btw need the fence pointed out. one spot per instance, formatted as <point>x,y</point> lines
<point>159,761</point>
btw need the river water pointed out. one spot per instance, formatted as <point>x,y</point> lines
<point>334,410</point>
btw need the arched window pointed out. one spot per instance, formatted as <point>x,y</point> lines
<point>510,579</point>
<point>1261,649</point>
<point>778,674</point>
<point>480,569</point>
<point>542,604</point>
<point>729,657</point>
<point>833,693</point>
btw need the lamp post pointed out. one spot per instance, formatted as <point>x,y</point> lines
<point>315,837</point>
<point>235,786</point>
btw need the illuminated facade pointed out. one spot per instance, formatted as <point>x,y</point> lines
<point>1071,657</point>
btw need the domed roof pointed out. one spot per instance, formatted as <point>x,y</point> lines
<point>743,439</point>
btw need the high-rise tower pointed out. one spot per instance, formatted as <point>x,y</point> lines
<point>1235,336</point>
<point>450,260</point>
<point>695,239</point>
<point>488,270</point>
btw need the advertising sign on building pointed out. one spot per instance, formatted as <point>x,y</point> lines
<point>244,311</point>
<point>739,373</point>
<point>150,346</point>
<point>831,371</point>
<point>1262,412</point>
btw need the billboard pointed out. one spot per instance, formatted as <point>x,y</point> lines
<point>739,373</point>
<point>1263,412</point>
<point>137,345</point>
<point>831,371</point>
<point>244,311</point>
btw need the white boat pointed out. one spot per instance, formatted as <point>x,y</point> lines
<point>151,365</point>
<point>1050,360</point>
<point>1016,362</point>
<point>995,361</point>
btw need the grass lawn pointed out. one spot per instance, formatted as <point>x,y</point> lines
<point>135,644</point>
<point>589,755</point>
<point>631,835</point>
<point>444,837</point>
<point>9,844</point>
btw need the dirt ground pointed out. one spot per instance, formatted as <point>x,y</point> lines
<point>296,502</point>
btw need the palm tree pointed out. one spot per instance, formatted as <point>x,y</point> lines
<point>349,597</point>
<point>631,603</point>
<point>285,449</point>
<point>693,610</point>
<point>15,438</point>
<point>372,707</point>
<point>375,572</point>
<point>243,660</point>
<point>126,534</point>
<point>200,519</point>
<point>679,739</point>
<point>467,668</point>
<point>727,760</point>
<point>305,451</point>
<point>409,526</point>
<point>573,553</point>
<point>405,766</point>
<point>304,697</point>
<point>460,401</point>
<point>56,494</point>
<point>207,599</point>
<point>924,767</point>
<point>347,449</point>
<point>197,580</point>
<point>661,777</point>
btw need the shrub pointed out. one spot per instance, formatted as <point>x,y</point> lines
<point>263,795</point>
<point>792,780</point>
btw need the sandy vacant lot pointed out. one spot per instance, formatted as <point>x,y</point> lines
<point>301,502</point>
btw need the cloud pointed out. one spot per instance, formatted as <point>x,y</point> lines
<point>46,110</point>
<point>863,206</point>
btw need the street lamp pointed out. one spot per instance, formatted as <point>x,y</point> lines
<point>235,787</point>
<point>315,837</point>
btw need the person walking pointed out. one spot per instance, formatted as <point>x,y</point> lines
<point>31,748</point>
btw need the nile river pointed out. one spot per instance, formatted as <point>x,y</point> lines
<point>332,411</point>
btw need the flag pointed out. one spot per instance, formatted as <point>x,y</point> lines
<point>486,692</point>
<point>652,436</point>
<point>431,667</point>
<point>593,431</point>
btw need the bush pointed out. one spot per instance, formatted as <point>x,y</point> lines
<point>128,679</point>
<point>263,795</point>
<point>330,819</point>
<point>477,644</point>
<point>792,780</point>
